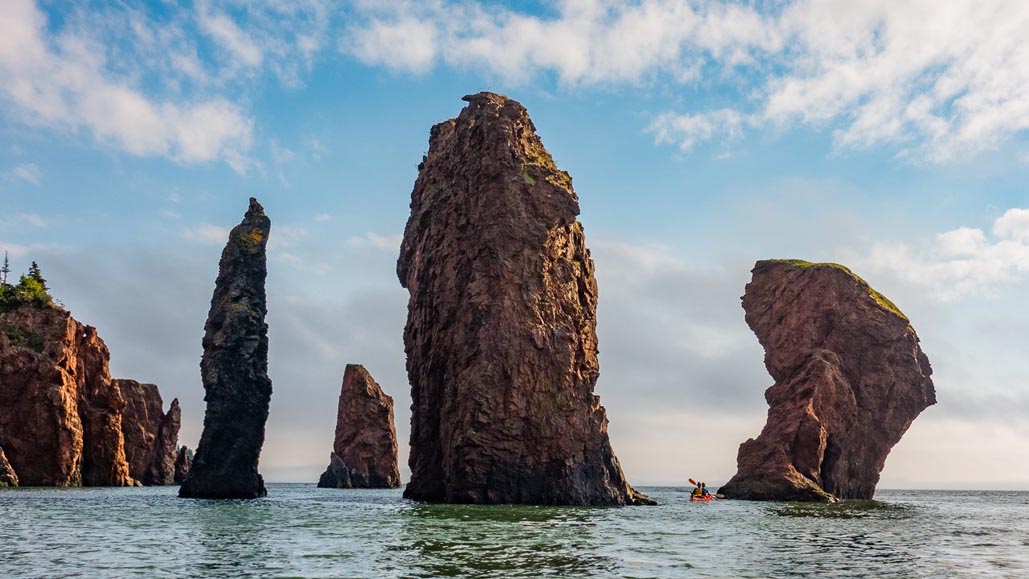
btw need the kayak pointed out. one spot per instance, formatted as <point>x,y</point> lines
<point>703,499</point>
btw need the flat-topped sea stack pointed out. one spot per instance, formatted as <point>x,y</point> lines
<point>234,370</point>
<point>501,330</point>
<point>60,413</point>
<point>850,378</point>
<point>151,435</point>
<point>364,451</point>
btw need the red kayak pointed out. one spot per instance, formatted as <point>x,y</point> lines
<point>704,499</point>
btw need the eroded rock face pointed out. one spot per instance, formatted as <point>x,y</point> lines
<point>151,435</point>
<point>364,451</point>
<point>60,414</point>
<point>500,337</point>
<point>183,462</point>
<point>8,478</point>
<point>850,378</point>
<point>234,369</point>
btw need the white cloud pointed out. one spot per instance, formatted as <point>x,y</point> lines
<point>936,81</point>
<point>322,217</point>
<point>962,262</point>
<point>65,81</point>
<point>27,172</point>
<point>376,241</point>
<point>206,233</point>
<point>225,32</point>
<point>33,219</point>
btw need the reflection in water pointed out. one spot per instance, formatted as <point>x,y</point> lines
<point>302,531</point>
<point>507,540</point>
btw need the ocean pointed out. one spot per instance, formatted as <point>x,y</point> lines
<point>303,531</point>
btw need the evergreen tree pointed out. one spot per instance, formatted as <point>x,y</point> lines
<point>5,270</point>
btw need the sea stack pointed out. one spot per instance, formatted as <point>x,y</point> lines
<point>364,451</point>
<point>60,413</point>
<point>501,330</point>
<point>850,378</point>
<point>183,462</point>
<point>234,370</point>
<point>151,435</point>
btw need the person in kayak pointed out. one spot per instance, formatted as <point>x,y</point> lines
<point>699,491</point>
<point>703,490</point>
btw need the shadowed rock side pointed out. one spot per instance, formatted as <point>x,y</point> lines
<point>364,451</point>
<point>850,378</point>
<point>151,435</point>
<point>60,415</point>
<point>500,337</point>
<point>8,478</point>
<point>234,369</point>
<point>183,462</point>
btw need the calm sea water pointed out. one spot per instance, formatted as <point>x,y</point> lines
<point>302,531</point>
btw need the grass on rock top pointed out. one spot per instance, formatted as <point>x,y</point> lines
<point>878,297</point>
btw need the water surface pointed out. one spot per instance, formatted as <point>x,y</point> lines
<point>303,531</point>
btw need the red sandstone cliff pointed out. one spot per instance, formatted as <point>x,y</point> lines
<point>151,435</point>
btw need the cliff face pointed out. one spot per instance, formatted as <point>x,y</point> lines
<point>850,378</point>
<point>234,369</point>
<point>8,478</point>
<point>151,435</point>
<point>500,337</point>
<point>364,451</point>
<point>60,415</point>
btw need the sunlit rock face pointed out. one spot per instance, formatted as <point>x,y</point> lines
<point>151,435</point>
<point>234,369</point>
<point>850,378</point>
<point>501,331</point>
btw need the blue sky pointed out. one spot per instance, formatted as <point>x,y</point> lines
<point>701,136</point>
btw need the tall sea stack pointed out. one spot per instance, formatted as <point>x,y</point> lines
<point>850,378</point>
<point>501,329</point>
<point>234,370</point>
<point>364,451</point>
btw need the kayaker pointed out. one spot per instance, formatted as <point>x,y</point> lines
<point>699,491</point>
<point>703,490</point>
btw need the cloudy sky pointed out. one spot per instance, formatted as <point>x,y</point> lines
<point>701,135</point>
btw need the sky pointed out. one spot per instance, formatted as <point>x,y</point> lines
<point>702,136</point>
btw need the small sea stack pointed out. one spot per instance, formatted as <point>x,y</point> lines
<point>183,462</point>
<point>850,378</point>
<point>234,370</point>
<point>501,330</point>
<point>151,435</point>
<point>364,451</point>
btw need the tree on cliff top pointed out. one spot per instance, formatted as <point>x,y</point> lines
<point>31,289</point>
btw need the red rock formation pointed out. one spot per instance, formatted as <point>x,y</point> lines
<point>234,369</point>
<point>500,338</point>
<point>850,378</point>
<point>183,462</point>
<point>151,435</point>
<point>8,478</point>
<point>60,416</point>
<point>364,452</point>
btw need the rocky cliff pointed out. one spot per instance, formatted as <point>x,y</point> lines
<point>234,369</point>
<point>151,435</point>
<point>500,336</point>
<point>60,414</point>
<point>850,378</point>
<point>364,451</point>
<point>8,478</point>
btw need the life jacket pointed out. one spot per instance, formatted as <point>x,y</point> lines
<point>697,492</point>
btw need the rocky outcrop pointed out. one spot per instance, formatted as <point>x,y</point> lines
<point>60,414</point>
<point>8,478</point>
<point>234,369</point>
<point>500,337</point>
<point>364,451</point>
<point>151,435</point>
<point>183,462</point>
<point>850,378</point>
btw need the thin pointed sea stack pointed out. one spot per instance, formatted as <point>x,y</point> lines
<point>235,370</point>
<point>501,329</point>
<point>850,378</point>
<point>364,451</point>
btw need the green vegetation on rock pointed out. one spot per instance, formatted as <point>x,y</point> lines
<point>31,289</point>
<point>878,297</point>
